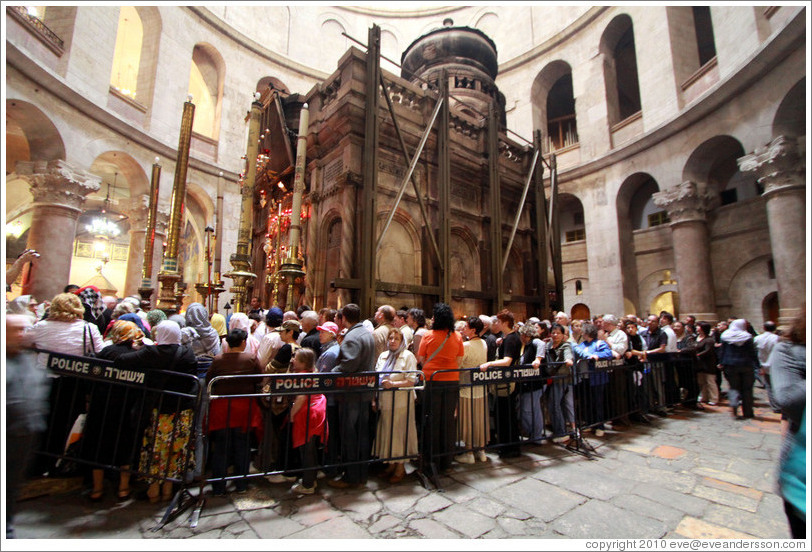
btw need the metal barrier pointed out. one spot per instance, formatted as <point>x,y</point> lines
<point>608,390</point>
<point>499,409</point>
<point>143,422</point>
<point>137,422</point>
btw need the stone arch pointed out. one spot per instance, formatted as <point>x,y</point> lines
<point>571,218</point>
<point>580,311</point>
<point>714,168</point>
<point>652,286</point>
<point>390,43</point>
<point>749,284</point>
<point>400,248</point>
<point>30,135</point>
<point>198,209</point>
<point>770,306</point>
<point>329,258</point>
<point>620,69</point>
<point>273,83</point>
<point>545,81</point>
<point>333,43</point>
<point>465,273</point>
<point>790,118</point>
<point>206,82</point>
<point>634,203</point>
<point>487,22</point>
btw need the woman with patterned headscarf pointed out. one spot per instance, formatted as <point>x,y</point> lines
<point>164,452</point>
<point>199,333</point>
<point>108,418</point>
<point>155,317</point>
<point>91,299</point>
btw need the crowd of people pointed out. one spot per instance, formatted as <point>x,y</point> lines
<point>336,435</point>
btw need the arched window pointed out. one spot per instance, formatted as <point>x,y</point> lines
<point>206,88</point>
<point>620,69</point>
<point>127,56</point>
<point>703,26</point>
<point>561,129</point>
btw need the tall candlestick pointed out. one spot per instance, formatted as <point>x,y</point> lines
<point>169,275</point>
<point>241,273</point>
<point>146,288</point>
<point>293,267</point>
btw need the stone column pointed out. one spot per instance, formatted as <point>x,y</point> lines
<point>59,192</point>
<point>687,208</point>
<point>780,168</point>
<point>139,208</point>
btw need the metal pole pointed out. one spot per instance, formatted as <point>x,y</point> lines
<point>520,208</point>
<point>555,232</point>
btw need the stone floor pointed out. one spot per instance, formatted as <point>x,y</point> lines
<point>694,474</point>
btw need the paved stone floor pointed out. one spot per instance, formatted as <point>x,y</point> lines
<point>694,474</point>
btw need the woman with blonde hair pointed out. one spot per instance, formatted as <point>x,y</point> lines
<point>64,331</point>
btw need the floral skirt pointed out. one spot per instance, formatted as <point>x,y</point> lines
<point>165,450</point>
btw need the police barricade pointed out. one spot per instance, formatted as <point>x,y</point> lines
<point>673,379</point>
<point>467,411</point>
<point>292,425</point>
<point>614,389</point>
<point>137,422</point>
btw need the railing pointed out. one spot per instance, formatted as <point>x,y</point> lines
<point>39,28</point>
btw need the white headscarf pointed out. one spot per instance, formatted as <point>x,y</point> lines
<point>240,320</point>
<point>737,334</point>
<point>167,333</point>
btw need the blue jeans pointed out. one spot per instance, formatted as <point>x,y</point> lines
<point>531,414</point>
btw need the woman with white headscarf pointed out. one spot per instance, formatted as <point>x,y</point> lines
<point>739,361</point>
<point>396,435</point>
<point>240,320</point>
<point>24,305</point>
<point>198,332</point>
<point>164,453</point>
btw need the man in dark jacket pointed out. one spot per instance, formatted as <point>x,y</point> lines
<point>357,354</point>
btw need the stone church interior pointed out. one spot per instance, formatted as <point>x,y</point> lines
<point>591,159</point>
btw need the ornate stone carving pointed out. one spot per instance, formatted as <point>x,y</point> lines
<point>137,212</point>
<point>161,221</point>
<point>684,202</point>
<point>779,165</point>
<point>58,183</point>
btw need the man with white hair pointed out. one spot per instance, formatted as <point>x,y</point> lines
<point>488,337</point>
<point>310,321</point>
<point>384,318</point>
<point>616,338</point>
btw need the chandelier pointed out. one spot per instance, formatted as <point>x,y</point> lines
<point>104,224</point>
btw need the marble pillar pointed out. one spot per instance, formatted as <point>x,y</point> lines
<point>780,168</point>
<point>687,207</point>
<point>138,209</point>
<point>59,192</point>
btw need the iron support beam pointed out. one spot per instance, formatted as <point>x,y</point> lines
<point>555,232</point>
<point>370,179</point>
<point>410,173</point>
<point>520,208</point>
<point>444,181</point>
<point>496,208</point>
<point>543,250</point>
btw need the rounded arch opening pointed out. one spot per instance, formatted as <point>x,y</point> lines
<point>30,135</point>
<point>790,118</point>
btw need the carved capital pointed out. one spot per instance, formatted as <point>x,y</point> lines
<point>780,165</point>
<point>137,212</point>
<point>684,202</point>
<point>161,220</point>
<point>58,183</point>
